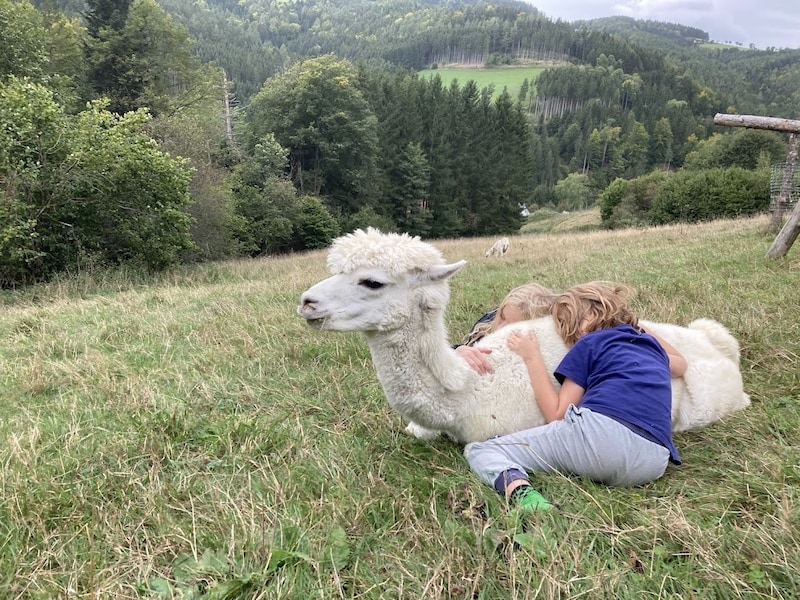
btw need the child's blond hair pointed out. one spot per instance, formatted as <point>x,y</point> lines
<point>591,306</point>
<point>531,300</point>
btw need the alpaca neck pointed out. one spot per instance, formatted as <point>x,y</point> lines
<point>417,368</point>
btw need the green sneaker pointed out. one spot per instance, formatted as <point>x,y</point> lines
<point>527,499</point>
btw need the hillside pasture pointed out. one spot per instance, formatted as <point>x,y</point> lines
<point>546,220</point>
<point>188,436</point>
<point>510,78</point>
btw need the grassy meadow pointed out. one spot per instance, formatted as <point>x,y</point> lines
<point>510,78</point>
<point>188,436</point>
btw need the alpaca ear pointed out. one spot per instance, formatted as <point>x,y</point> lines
<point>441,272</point>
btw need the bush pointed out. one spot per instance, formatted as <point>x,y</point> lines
<point>122,200</point>
<point>93,189</point>
<point>268,215</point>
<point>315,227</point>
<point>17,241</point>
<point>275,220</point>
<point>692,196</point>
<point>611,197</point>
<point>214,218</point>
<point>741,149</point>
<point>574,192</point>
<point>628,203</point>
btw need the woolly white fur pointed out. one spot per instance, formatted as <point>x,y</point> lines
<point>394,288</point>
<point>499,248</point>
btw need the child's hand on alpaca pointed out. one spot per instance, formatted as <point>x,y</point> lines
<point>525,345</point>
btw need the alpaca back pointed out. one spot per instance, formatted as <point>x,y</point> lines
<point>712,387</point>
<point>718,335</point>
<point>703,339</point>
<point>503,402</point>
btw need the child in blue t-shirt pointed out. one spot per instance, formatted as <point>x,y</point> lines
<point>611,418</point>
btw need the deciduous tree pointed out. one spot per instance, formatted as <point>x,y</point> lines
<point>317,112</point>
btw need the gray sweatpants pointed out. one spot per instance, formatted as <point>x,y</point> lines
<point>584,443</point>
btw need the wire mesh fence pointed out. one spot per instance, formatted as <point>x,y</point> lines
<point>776,180</point>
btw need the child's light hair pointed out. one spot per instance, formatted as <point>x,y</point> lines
<point>531,300</point>
<point>591,306</point>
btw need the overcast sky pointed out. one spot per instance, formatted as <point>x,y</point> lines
<point>764,23</point>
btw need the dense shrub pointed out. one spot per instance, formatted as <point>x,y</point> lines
<point>275,219</point>
<point>315,227</point>
<point>574,192</point>
<point>93,189</point>
<point>610,198</point>
<point>268,213</point>
<point>32,139</point>
<point>124,200</point>
<point>741,149</point>
<point>692,196</point>
<point>628,203</point>
<point>214,218</point>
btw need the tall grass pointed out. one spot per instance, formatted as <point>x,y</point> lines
<point>189,437</point>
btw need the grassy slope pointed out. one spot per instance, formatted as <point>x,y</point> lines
<point>510,78</point>
<point>549,221</point>
<point>193,435</point>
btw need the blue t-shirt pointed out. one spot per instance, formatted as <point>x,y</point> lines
<point>625,375</point>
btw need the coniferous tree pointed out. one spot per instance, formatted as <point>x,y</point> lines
<point>104,22</point>
<point>408,193</point>
<point>477,151</point>
<point>105,14</point>
<point>438,106</point>
<point>511,165</point>
<point>138,57</point>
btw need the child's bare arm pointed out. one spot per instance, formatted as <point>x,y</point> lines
<point>552,403</point>
<point>677,362</point>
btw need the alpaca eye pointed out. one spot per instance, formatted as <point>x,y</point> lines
<point>371,284</point>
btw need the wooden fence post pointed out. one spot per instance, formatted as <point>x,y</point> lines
<point>788,234</point>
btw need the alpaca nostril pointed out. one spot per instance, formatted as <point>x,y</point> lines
<point>307,305</point>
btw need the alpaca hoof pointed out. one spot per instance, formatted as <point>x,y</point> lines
<point>420,432</point>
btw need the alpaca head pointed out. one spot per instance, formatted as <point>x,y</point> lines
<point>379,282</point>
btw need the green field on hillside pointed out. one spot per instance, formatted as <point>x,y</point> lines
<point>510,78</point>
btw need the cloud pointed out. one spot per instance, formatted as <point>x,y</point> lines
<point>666,6</point>
<point>774,23</point>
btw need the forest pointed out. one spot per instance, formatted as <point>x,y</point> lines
<point>149,134</point>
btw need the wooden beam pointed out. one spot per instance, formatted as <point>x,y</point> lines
<point>787,235</point>
<point>757,122</point>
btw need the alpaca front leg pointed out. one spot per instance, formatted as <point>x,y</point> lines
<point>418,431</point>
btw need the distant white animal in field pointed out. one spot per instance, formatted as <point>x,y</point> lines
<point>499,248</point>
<point>394,289</point>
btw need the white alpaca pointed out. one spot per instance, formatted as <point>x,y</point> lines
<point>499,248</point>
<point>394,288</point>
